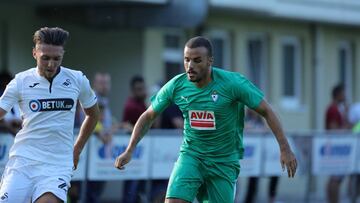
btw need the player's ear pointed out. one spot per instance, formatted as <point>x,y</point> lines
<point>34,52</point>
<point>210,60</point>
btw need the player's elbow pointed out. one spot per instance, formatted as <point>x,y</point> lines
<point>150,114</point>
<point>93,113</point>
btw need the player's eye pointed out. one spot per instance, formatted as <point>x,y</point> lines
<point>45,58</point>
<point>57,58</point>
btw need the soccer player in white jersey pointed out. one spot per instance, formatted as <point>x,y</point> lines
<point>43,156</point>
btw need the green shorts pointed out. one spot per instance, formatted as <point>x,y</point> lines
<point>206,180</point>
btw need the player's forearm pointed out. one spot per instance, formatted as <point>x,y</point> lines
<point>86,130</point>
<point>141,128</point>
<point>275,126</point>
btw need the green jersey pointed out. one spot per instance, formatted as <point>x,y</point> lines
<point>213,115</point>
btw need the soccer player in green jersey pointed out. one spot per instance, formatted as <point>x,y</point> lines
<point>212,102</point>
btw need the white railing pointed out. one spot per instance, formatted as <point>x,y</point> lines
<point>318,153</point>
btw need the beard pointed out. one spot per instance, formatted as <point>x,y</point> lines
<point>194,79</point>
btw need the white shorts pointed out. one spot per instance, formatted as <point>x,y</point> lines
<point>25,180</point>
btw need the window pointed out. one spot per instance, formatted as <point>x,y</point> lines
<point>291,72</point>
<point>221,48</point>
<point>345,58</point>
<point>257,61</point>
<point>173,53</point>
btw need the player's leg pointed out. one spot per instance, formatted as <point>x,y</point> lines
<point>15,185</point>
<point>52,188</point>
<point>185,180</point>
<point>220,184</point>
<point>48,197</point>
<point>52,183</point>
<point>333,188</point>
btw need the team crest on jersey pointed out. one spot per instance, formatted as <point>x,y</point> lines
<point>214,96</point>
<point>67,83</point>
<point>59,104</point>
<point>202,120</point>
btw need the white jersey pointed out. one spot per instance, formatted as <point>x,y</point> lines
<point>47,110</point>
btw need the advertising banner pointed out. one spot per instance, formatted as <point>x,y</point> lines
<point>102,158</point>
<point>333,155</point>
<point>251,162</point>
<point>165,153</point>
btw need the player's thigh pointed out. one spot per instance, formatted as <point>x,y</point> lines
<point>48,197</point>
<point>49,187</point>
<point>15,187</point>
<point>185,180</point>
<point>220,190</point>
<point>220,186</point>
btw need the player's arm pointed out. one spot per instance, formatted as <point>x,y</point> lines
<point>140,129</point>
<point>288,159</point>
<point>86,129</point>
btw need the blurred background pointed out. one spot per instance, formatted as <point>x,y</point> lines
<point>296,51</point>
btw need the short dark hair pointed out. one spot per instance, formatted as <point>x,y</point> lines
<point>53,36</point>
<point>136,79</point>
<point>337,90</point>
<point>200,41</point>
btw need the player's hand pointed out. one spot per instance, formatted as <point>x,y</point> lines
<point>122,160</point>
<point>76,157</point>
<point>289,162</point>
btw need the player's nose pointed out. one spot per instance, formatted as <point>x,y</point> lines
<point>51,64</point>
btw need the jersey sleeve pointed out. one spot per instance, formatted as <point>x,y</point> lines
<point>10,96</point>
<point>246,92</point>
<point>87,96</point>
<point>163,98</point>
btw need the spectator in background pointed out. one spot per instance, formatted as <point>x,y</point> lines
<point>336,119</point>
<point>254,123</point>
<point>103,131</point>
<point>135,104</point>
<point>134,107</point>
<point>11,123</point>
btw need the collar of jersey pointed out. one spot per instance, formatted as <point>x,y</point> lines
<point>43,78</point>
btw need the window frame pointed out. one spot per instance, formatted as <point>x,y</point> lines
<point>264,58</point>
<point>225,37</point>
<point>292,102</point>
<point>346,45</point>
<point>173,55</point>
